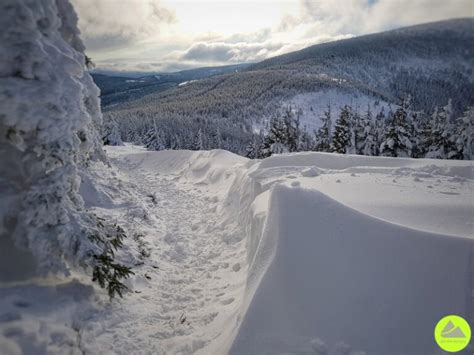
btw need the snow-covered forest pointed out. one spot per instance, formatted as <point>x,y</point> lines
<point>368,70</point>
<point>319,202</point>
<point>399,133</point>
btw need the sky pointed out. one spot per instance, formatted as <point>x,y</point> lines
<point>171,35</point>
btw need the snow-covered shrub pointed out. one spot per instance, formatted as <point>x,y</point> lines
<point>49,115</point>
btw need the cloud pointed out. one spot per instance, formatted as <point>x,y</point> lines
<point>123,34</point>
<point>390,14</point>
<point>342,17</point>
<point>228,52</point>
<point>114,23</point>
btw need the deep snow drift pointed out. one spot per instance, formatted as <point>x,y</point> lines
<point>307,253</point>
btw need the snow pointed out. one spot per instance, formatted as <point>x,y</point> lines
<point>49,111</point>
<point>186,82</point>
<point>335,274</point>
<point>312,105</point>
<point>295,253</point>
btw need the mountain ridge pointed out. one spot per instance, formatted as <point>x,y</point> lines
<point>429,63</point>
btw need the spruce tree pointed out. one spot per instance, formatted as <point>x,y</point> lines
<point>255,147</point>
<point>358,134</point>
<point>275,140</point>
<point>463,139</point>
<point>369,146</point>
<point>397,140</point>
<point>379,126</point>
<point>323,135</point>
<point>292,131</point>
<point>111,133</point>
<point>341,139</point>
<point>153,140</point>
<point>198,141</point>
<point>441,143</point>
<point>217,139</point>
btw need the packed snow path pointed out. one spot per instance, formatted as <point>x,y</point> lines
<point>233,256</point>
<point>193,277</point>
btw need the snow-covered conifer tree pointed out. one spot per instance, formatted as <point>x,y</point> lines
<point>276,138</point>
<point>441,143</point>
<point>217,139</point>
<point>323,135</point>
<point>254,148</point>
<point>370,145</point>
<point>292,131</point>
<point>341,140</point>
<point>49,120</point>
<point>111,133</point>
<point>397,141</point>
<point>358,135</point>
<point>463,137</point>
<point>153,139</point>
<point>198,141</point>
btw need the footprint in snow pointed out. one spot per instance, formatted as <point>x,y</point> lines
<point>227,301</point>
<point>449,193</point>
<point>236,267</point>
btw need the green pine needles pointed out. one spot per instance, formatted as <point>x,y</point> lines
<point>107,272</point>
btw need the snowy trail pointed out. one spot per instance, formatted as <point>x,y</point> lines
<point>193,276</point>
<point>207,220</point>
<point>262,257</point>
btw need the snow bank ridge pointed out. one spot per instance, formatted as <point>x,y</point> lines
<point>321,272</point>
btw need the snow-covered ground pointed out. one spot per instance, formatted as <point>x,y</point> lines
<point>311,106</point>
<point>306,253</point>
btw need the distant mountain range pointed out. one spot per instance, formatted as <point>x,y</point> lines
<point>116,88</point>
<point>431,63</point>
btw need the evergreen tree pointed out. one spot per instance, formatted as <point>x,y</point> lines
<point>111,133</point>
<point>198,141</point>
<point>380,124</point>
<point>255,147</point>
<point>323,135</point>
<point>306,142</point>
<point>358,134</point>
<point>275,140</point>
<point>217,139</point>
<point>132,136</point>
<point>153,140</point>
<point>397,141</point>
<point>341,139</point>
<point>175,142</point>
<point>292,131</point>
<point>441,142</point>
<point>463,139</point>
<point>370,144</point>
<point>417,150</point>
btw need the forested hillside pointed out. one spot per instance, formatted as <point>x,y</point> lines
<point>423,67</point>
<point>116,87</point>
